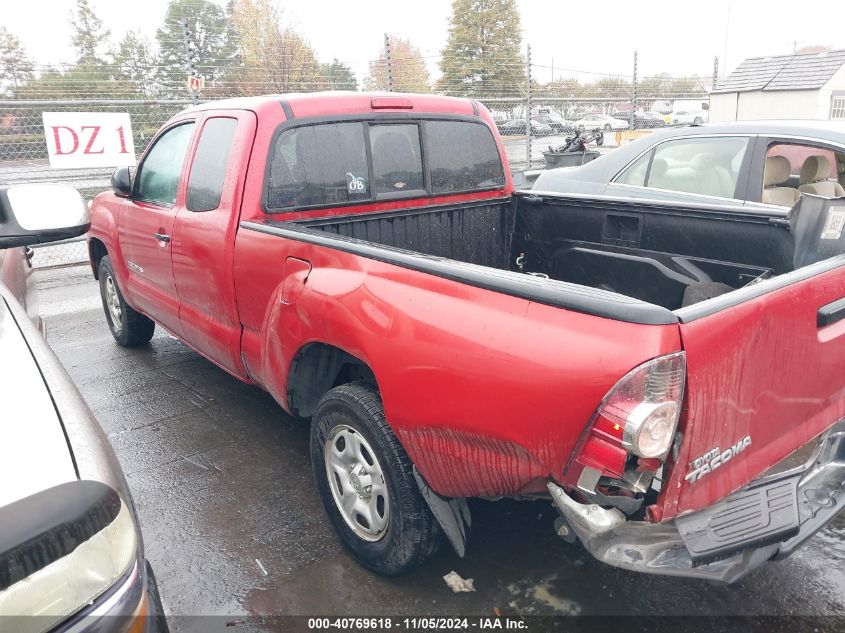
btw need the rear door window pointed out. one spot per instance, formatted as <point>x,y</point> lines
<point>397,158</point>
<point>462,156</point>
<point>208,171</point>
<point>319,165</point>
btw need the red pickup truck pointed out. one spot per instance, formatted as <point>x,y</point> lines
<point>671,377</point>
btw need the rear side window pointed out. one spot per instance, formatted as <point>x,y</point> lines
<point>636,173</point>
<point>397,158</point>
<point>205,184</point>
<point>318,165</point>
<point>704,166</point>
<point>158,180</point>
<point>463,156</point>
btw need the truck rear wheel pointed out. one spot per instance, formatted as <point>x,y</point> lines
<point>367,485</point>
<point>128,327</point>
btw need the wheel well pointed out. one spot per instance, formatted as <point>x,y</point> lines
<point>96,252</point>
<point>316,369</point>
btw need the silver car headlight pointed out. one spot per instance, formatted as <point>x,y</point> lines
<point>60,549</point>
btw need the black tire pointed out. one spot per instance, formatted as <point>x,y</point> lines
<point>412,534</point>
<point>698,121</point>
<point>607,127</point>
<point>133,328</point>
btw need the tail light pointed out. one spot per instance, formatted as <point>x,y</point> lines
<point>633,429</point>
<point>646,404</point>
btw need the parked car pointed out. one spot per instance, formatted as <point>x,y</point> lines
<point>686,117</point>
<point>517,126</point>
<point>71,553</point>
<point>558,124</point>
<point>448,338</point>
<point>733,163</point>
<point>600,122</point>
<point>642,119</point>
<point>500,119</point>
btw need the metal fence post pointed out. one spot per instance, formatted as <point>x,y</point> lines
<point>633,117</point>
<point>189,61</point>
<point>528,108</point>
<point>715,72</point>
<point>389,63</point>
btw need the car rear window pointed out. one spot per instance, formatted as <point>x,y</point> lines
<point>328,164</point>
<point>397,158</point>
<point>318,165</point>
<point>463,157</point>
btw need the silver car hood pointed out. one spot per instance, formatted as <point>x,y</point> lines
<point>36,454</point>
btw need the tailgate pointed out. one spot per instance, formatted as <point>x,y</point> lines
<point>765,375</point>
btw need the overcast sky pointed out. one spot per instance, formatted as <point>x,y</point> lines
<point>675,36</point>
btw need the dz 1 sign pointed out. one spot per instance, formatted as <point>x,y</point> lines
<point>88,139</point>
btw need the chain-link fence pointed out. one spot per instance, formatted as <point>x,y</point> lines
<point>530,128</point>
<point>552,120</point>
<point>23,153</point>
<point>23,148</point>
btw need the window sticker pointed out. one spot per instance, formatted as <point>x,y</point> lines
<point>355,184</point>
<point>835,223</point>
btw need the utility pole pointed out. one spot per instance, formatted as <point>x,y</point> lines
<point>633,116</point>
<point>389,63</point>
<point>528,108</point>
<point>189,60</point>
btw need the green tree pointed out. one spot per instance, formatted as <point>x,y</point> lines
<point>90,39</point>
<point>271,59</point>
<point>135,63</point>
<point>213,45</point>
<point>562,87</point>
<point>611,88</point>
<point>75,83</point>
<point>15,66</point>
<point>338,76</point>
<point>665,86</point>
<point>409,70</point>
<point>482,56</point>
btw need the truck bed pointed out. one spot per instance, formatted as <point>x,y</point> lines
<point>664,255</point>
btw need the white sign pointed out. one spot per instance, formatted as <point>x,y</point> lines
<point>88,139</point>
<point>196,83</point>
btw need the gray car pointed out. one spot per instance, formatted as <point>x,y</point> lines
<point>767,164</point>
<point>71,555</point>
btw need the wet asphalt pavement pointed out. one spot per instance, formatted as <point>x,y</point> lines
<point>233,525</point>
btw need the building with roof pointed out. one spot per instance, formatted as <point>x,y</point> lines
<point>800,86</point>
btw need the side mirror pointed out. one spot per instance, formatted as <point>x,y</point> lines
<point>121,182</point>
<point>39,213</point>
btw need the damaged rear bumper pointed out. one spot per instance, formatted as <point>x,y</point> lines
<point>778,515</point>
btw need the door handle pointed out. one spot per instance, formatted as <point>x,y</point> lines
<point>162,237</point>
<point>831,313</point>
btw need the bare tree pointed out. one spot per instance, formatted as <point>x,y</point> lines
<point>408,68</point>
<point>271,58</point>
